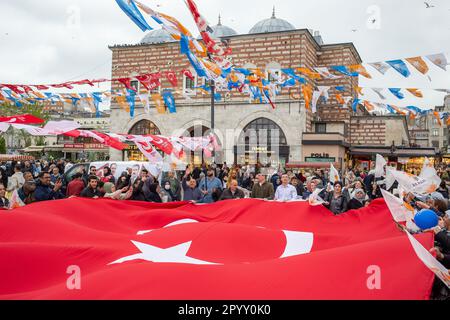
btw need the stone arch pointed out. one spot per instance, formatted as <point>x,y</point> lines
<point>262,114</point>
<point>261,139</point>
<point>132,122</point>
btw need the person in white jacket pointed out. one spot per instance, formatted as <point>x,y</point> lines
<point>16,181</point>
<point>112,193</point>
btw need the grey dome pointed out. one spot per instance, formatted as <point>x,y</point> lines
<point>221,31</point>
<point>272,24</point>
<point>157,36</point>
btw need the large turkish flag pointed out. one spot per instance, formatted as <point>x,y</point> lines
<point>236,249</point>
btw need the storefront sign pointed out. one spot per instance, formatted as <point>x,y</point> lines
<point>260,150</point>
<point>315,159</point>
<point>84,146</point>
<point>320,155</point>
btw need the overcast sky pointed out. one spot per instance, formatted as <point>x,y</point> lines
<point>55,41</point>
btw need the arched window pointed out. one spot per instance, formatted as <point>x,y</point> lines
<point>262,141</point>
<point>144,127</point>
<point>263,131</point>
<point>141,128</point>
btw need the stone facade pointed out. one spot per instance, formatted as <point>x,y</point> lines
<point>379,131</point>
<point>265,51</point>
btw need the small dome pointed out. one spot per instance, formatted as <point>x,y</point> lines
<point>221,31</point>
<point>272,24</point>
<point>157,36</point>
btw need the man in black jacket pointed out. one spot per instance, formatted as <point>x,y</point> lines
<point>92,190</point>
<point>44,190</point>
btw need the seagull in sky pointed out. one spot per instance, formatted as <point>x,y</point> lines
<point>429,5</point>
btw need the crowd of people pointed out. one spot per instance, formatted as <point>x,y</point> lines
<point>33,181</point>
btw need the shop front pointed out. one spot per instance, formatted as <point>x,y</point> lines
<point>319,150</point>
<point>402,158</point>
<point>90,151</point>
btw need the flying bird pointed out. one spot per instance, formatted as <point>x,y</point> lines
<point>374,20</point>
<point>429,5</point>
<point>354,30</point>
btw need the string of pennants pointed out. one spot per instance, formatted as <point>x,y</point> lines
<point>210,60</point>
<point>174,146</point>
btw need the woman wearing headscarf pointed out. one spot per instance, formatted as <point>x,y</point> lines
<point>166,193</point>
<point>358,201</point>
<point>123,181</point>
<point>121,194</point>
<point>152,194</point>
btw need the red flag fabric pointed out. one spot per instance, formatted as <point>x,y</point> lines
<point>82,82</point>
<point>40,87</point>
<point>127,83</point>
<point>67,85</point>
<point>162,143</point>
<point>172,78</point>
<point>13,88</point>
<point>188,74</point>
<point>237,249</point>
<point>22,119</point>
<point>150,81</point>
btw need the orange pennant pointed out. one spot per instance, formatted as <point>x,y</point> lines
<point>419,64</point>
<point>339,98</point>
<point>438,117</point>
<point>307,95</point>
<point>359,90</point>
<point>369,107</point>
<point>122,101</point>
<point>159,103</point>
<point>361,70</point>
<point>310,74</point>
<point>415,92</point>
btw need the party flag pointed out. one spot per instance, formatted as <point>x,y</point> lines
<point>169,101</point>
<point>339,98</point>
<point>344,70</point>
<point>381,67</point>
<point>438,118</point>
<point>355,104</point>
<point>309,73</point>
<point>159,103</point>
<point>369,107</point>
<point>415,92</point>
<point>145,100</point>
<point>397,92</point>
<point>419,64</point>
<point>131,10</point>
<point>97,96</point>
<point>307,95</point>
<point>130,96</point>
<point>334,174</point>
<point>361,70</point>
<point>439,60</point>
<point>378,92</point>
<point>400,67</point>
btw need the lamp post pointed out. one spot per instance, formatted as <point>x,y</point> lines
<point>393,149</point>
